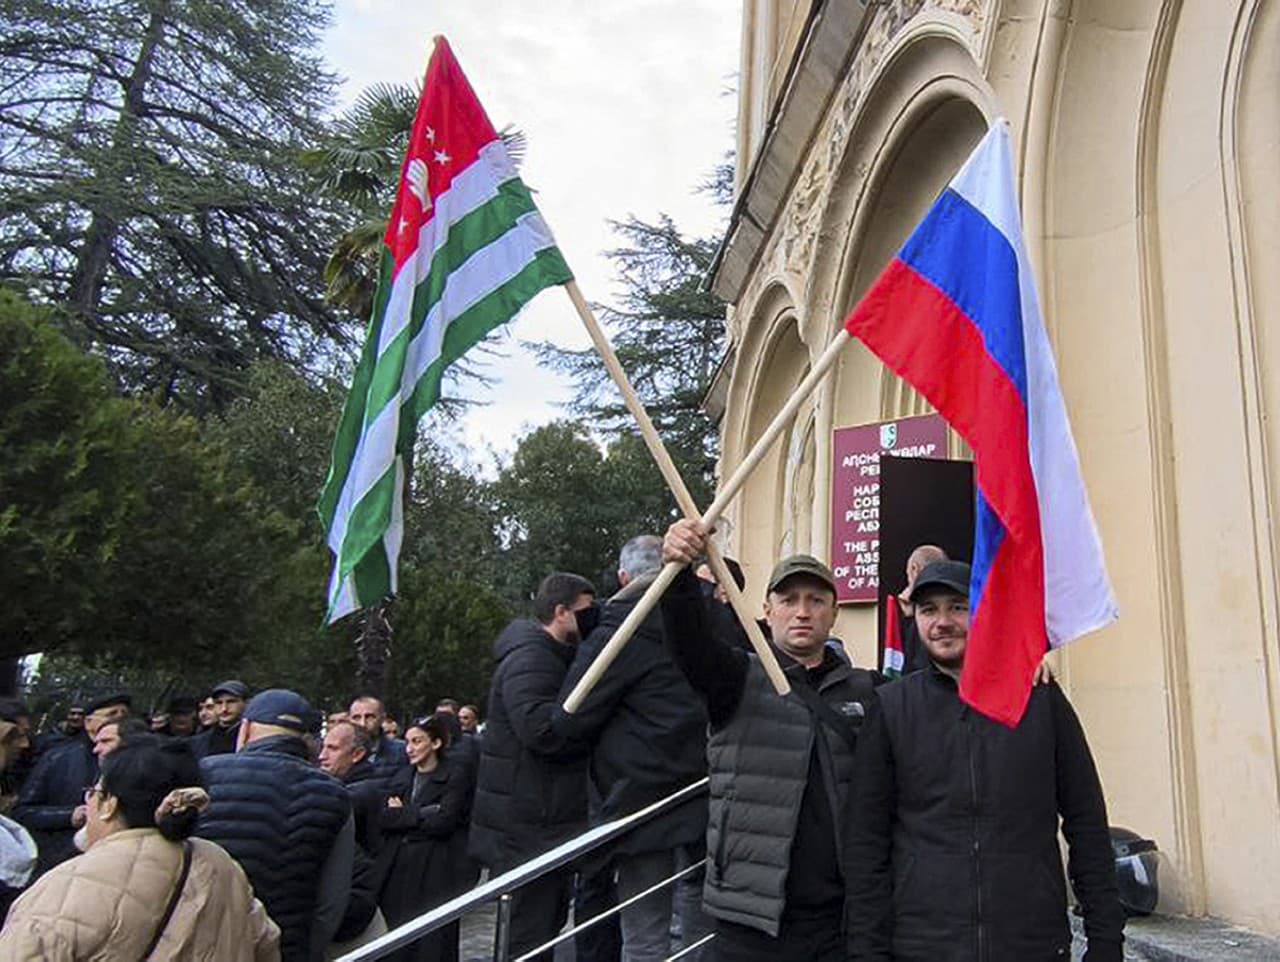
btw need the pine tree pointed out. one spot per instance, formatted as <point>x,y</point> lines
<point>152,188</point>
<point>668,333</point>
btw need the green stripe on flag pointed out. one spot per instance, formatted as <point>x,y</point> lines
<point>363,558</point>
<point>351,422</point>
<point>473,233</point>
<point>370,517</point>
<point>473,324</point>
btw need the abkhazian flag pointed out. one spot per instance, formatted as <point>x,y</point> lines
<point>465,249</point>
<point>893,658</point>
<point>956,315</point>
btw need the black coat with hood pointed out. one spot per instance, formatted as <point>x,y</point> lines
<point>647,727</point>
<point>531,789</point>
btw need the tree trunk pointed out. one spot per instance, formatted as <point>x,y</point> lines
<point>373,650</point>
<point>91,264</point>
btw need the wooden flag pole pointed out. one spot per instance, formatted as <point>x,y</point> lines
<point>678,488</point>
<point>727,492</point>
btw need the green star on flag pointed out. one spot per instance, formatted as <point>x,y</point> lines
<point>465,250</point>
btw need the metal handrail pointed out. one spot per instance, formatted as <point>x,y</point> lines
<point>607,913</point>
<point>507,882</point>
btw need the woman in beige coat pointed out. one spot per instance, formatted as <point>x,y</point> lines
<point>144,889</point>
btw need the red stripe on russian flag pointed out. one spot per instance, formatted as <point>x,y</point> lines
<point>924,337</point>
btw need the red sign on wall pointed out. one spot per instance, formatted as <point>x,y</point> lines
<point>855,494</point>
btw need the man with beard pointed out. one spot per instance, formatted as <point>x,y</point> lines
<point>952,834</point>
<point>386,754</point>
<point>531,788</point>
<point>222,738</point>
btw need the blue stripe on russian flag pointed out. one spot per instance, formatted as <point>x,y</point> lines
<point>963,254</point>
<point>988,535</point>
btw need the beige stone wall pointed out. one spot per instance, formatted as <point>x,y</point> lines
<point>1148,135</point>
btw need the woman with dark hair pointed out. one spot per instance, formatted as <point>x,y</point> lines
<point>144,889</point>
<point>425,819</point>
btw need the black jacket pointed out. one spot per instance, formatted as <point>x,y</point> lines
<point>430,866</point>
<point>368,790</point>
<point>215,741</point>
<point>647,727</point>
<point>952,841</point>
<point>54,789</point>
<point>283,820</point>
<point>531,791</point>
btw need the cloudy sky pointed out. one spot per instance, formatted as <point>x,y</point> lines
<point>626,106</point>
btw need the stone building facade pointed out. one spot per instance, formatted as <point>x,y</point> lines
<point>1147,134</point>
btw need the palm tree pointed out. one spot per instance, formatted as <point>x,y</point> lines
<point>359,162</point>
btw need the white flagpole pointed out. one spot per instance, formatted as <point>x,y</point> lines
<point>727,491</point>
<point>678,488</point>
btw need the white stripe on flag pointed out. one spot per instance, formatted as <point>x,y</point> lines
<point>392,540</point>
<point>343,602</point>
<point>479,276</point>
<point>369,462</point>
<point>1078,594</point>
<point>470,190</point>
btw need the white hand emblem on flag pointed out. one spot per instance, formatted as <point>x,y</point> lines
<point>417,179</point>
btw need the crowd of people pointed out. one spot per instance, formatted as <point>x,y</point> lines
<point>852,819</point>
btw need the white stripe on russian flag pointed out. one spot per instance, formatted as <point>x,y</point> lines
<point>1078,594</point>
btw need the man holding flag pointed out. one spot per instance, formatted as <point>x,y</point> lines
<point>963,774</point>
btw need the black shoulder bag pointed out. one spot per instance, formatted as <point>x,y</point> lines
<point>173,900</point>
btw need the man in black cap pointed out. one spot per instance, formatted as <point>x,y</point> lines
<point>51,804</point>
<point>952,835</point>
<point>181,714</point>
<point>221,739</point>
<point>780,767</point>
<point>285,821</point>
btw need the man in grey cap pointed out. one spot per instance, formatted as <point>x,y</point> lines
<point>228,702</point>
<point>285,821</point>
<point>780,767</point>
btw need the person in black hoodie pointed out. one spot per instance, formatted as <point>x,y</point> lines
<point>531,786</point>
<point>952,834</point>
<point>648,731</point>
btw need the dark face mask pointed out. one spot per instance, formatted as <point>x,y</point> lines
<point>587,619</point>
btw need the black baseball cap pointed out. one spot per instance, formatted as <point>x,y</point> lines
<point>948,574</point>
<point>230,687</point>
<point>106,701</point>
<point>285,708</point>
<point>801,564</point>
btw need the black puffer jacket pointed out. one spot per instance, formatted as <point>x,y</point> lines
<point>953,832</point>
<point>647,726</point>
<point>280,817</point>
<point>531,790</point>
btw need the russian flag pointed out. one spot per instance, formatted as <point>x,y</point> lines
<point>956,315</point>
<point>893,659</point>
